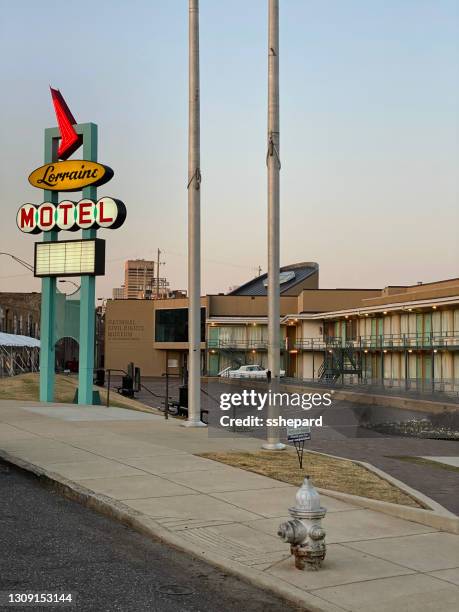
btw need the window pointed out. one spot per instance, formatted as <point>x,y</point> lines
<point>171,325</point>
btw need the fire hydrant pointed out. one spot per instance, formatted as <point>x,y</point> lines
<point>304,532</point>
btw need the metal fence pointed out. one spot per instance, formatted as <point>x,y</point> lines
<point>18,360</point>
<point>392,386</point>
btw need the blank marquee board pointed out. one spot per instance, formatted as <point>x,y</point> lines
<point>70,258</point>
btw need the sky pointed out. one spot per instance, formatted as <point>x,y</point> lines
<point>369,132</point>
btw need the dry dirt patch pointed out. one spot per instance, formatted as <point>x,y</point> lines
<point>326,472</point>
<point>25,387</point>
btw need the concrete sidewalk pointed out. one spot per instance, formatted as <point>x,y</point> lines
<point>141,469</point>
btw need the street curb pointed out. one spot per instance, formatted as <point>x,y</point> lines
<point>146,525</point>
<point>441,522</point>
<point>434,515</point>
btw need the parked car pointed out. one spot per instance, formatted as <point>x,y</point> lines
<point>247,371</point>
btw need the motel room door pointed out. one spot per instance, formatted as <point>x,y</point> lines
<point>291,357</point>
<point>212,354</point>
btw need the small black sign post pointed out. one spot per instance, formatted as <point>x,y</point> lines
<point>298,435</point>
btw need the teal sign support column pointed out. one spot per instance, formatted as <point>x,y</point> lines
<point>88,284</point>
<point>87,291</point>
<point>48,291</point>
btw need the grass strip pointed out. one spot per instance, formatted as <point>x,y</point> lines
<point>326,472</point>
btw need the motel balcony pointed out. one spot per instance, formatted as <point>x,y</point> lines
<point>396,342</point>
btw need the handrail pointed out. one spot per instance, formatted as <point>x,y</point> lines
<point>110,370</point>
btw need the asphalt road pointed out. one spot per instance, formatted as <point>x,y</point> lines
<point>51,544</point>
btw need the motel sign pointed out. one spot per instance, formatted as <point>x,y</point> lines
<point>61,258</point>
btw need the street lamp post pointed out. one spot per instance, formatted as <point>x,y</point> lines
<point>273,163</point>
<point>20,261</point>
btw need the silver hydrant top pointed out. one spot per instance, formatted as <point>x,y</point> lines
<point>307,497</point>
<point>307,502</point>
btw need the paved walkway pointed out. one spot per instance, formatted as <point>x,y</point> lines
<point>358,443</point>
<point>374,563</point>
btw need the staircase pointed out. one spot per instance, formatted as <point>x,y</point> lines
<point>340,360</point>
<point>235,361</point>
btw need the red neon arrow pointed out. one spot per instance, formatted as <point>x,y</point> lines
<point>70,140</point>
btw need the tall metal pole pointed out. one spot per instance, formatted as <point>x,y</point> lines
<point>88,285</point>
<point>273,163</point>
<point>194,224</point>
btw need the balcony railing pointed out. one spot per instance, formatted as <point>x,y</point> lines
<point>426,341</point>
<point>310,344</point>
<point>237,345</point>
<point>413,340</point>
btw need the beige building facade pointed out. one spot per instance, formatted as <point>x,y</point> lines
<point>392,335</point>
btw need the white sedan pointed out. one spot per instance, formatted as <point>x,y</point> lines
<point>247,371</point>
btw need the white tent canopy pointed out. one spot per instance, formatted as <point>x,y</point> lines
<point>19,341</point>
<point>18,354</point>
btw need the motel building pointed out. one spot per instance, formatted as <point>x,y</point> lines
<point>399,335</point>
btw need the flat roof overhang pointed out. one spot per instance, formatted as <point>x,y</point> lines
<point>380,309</point>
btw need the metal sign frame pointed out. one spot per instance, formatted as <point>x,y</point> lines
<point>298,440</point>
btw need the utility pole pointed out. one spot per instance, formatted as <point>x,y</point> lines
<point>273,163</point>
<point>145,281</point>
<point>194,223</point>
<point>157,274</point>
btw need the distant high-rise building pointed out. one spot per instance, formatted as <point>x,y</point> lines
<point>140,282</point>
<point>139,278</point>
<point>118,293</point>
